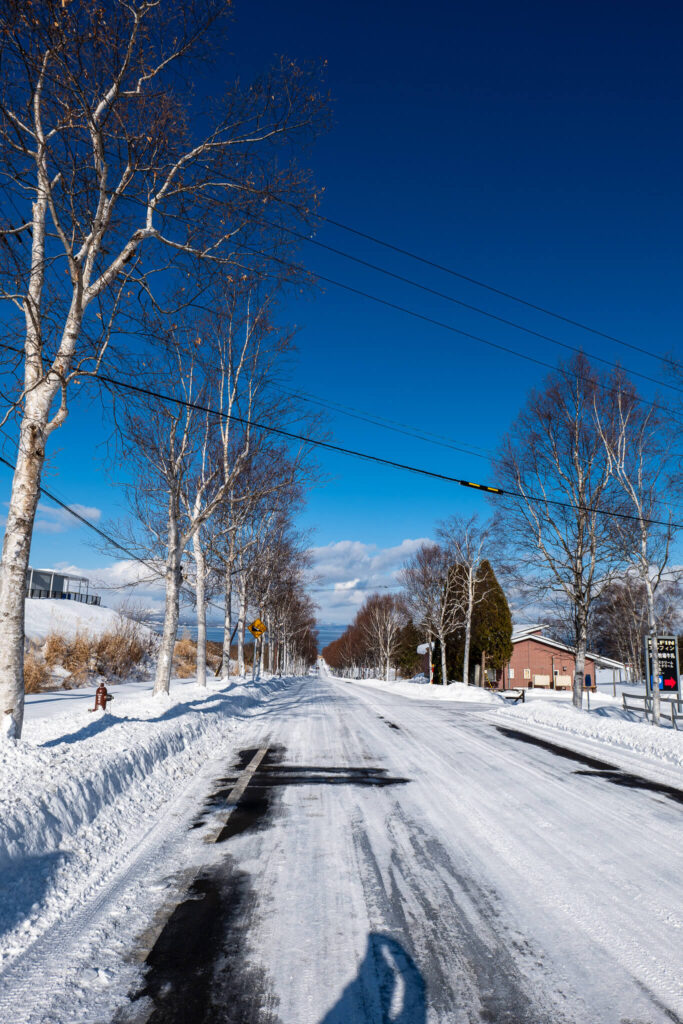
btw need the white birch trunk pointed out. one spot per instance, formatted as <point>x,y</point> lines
<point>174,575</point>
<point>577,692</point>
<point>241,625</point>
<point>654,657</point>
<point>200,595</point>
<point>14,571</point>
<point>444,673</point>
<point>466,653</point>
<point>227,627</point>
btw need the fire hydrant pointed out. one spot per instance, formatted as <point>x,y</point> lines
<point>102,698</point>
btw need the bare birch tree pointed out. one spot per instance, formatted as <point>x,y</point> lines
<point>621,618</point>
<point>433,595</point>
<point>109,176</point>
<point>554,458</point>
<point>465,544</point>
<point>636,447</point>
<point>385,614</point>
<point>183,461</point>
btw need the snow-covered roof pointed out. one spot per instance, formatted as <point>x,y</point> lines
<point>609,662</point>
<point>526,629</point>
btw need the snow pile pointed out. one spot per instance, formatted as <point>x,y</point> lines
<point>52,615</point>
<point>419,688</point>
<point>79,786</point>
<point>610,725</point>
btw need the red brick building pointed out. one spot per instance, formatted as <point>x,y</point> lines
<point>538,661</point>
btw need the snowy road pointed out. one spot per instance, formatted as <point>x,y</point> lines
<point>391,860</point>
<point>500,882</point>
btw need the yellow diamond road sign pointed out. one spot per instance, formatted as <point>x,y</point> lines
<point>257,628</point>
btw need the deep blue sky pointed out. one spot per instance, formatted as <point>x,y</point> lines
<point>534,146</point>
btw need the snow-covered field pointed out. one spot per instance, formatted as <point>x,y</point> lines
<point>606,724</point>
<point>50,615</point>
<point>420,689</point>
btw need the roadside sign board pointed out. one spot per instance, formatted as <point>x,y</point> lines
<point>667,650</point>
<point>257,628</point>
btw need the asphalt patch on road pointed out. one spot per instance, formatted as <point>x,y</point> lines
<point>323,775</point>
<point>599,769</point>
<point>622,778</point>
<point>199,971</point>
<point>392,725</point>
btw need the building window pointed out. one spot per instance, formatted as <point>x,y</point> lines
<point>512,673</point>
<point>527,673</point>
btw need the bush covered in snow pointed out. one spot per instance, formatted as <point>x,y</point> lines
<point>80,658</point>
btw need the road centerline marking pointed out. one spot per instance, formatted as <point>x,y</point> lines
<point>237,792</point>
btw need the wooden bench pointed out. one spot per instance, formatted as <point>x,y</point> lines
<point>513,695</point>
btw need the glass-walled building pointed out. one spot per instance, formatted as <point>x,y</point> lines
<point>52,583</point>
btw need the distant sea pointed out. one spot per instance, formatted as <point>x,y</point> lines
<point>327,632</point>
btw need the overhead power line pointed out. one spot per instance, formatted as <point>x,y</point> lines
<point>366,456</point>
<point>456,330</point>
<point>102,533</point>
<point>450,298</point>
<point>468,305</point>
<point>406,429</point>
<point>369,457</point>
<point>494,290</point>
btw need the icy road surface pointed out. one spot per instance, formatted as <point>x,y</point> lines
<point>402,861</point>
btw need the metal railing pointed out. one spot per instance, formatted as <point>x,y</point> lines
<point>62,595</point>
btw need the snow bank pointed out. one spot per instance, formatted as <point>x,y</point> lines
<point>420,689</point>
<point>44,616</point>
<point>609,725</point>
<point>79,785</point>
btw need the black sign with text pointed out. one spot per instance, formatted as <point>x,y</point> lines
<point>667,651</point>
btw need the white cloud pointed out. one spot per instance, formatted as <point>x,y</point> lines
<point>50,519</point>
<point>344,572</point>
<point>122,581</point>
<point>348,570</point>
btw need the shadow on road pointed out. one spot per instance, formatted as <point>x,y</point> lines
<point>388,988</point>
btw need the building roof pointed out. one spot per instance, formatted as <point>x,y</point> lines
<point>60,572</point>
<point>520,633</point>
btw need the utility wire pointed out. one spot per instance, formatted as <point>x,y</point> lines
<point>261,193</point>
<point>406,280</point>
<point>491,288</point>
<point>105,536</point>
<point>368,457</point>
<point>465,305</point>
<point>380,421</point>
<point>455,330</point>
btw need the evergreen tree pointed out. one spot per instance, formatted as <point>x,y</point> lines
<point>491,631</point>
<point>407,660</point>
<point>492,622</point>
